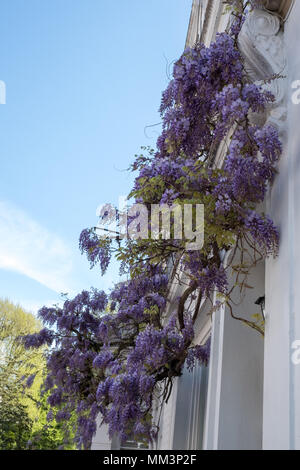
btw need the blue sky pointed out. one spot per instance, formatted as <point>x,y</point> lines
<point>83,79</point>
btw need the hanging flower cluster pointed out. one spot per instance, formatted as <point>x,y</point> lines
<point>117,356</point>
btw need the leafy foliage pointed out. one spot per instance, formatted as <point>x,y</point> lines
<point>22,410</point>
<point>15,423</point>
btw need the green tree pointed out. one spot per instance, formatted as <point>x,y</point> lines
<point>15,423</point>
<point>23,410</point>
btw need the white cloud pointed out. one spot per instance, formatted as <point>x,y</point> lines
<point>28,248</point>
<point>33,306</point>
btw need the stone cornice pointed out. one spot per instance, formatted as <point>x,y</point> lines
<point>281,7</point>
<point>206,16</point>
<point>195,24</point>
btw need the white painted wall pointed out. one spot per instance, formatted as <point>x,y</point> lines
<point>190,409</point>
<point>282,379</point>
<point>235,390</point>
<point>101,440</point>
<point>167,421</point>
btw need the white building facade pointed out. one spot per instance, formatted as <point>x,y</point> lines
<point>249,395</point>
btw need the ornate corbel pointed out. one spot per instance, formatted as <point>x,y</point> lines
<point>261,43</point>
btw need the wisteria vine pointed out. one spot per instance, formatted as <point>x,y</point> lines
<point>116,356</point>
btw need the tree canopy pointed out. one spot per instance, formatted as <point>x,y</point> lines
<point>23,410</point>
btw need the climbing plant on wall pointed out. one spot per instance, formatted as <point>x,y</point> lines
<point>117,355</point>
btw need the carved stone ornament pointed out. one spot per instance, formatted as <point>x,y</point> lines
<point>261,43</point>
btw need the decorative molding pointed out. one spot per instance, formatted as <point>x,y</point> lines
<point>205,19</point>
<point>273,5</point>
<point>167,424</point>
<point>261,43</point>
<point>195,24</point>
<point>196,412</point>
<point>281,7</point>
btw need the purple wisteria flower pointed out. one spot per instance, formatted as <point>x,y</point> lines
<point>109,355</point>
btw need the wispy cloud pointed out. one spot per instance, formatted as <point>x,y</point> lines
<point>34,306</point>
<point>28,248</point>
